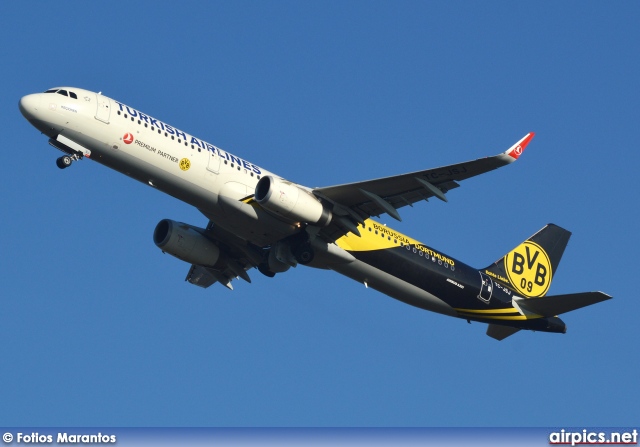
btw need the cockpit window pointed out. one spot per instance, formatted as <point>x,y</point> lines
<point>62,92</point>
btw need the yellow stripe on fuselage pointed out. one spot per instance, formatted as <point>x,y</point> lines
<point>249,200</point>
<point>375,236</point>
<point>490,311</point>
<point>502,317</point>
<point>486,314</point>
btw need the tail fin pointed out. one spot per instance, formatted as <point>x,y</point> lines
<point>529,268</point>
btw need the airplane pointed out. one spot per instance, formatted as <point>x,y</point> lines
<point>257,219</point>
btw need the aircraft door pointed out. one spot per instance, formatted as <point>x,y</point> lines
<point>103,111</point>
<point>214,162</point>
<point>486,288</point>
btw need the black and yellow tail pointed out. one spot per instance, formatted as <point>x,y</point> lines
<point>528,269</point>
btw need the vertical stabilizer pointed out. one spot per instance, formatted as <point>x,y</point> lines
<point>529,268</point>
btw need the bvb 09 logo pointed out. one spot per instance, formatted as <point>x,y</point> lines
<point>529,269</point>
<point>185,164</point>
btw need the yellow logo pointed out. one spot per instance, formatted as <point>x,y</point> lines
<point>529,269</point>
<point>185,164</point>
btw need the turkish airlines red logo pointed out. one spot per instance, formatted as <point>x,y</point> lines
<point>128,138</point>
<point>518,150</point>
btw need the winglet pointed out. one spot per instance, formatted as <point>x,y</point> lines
<point>517,149</point>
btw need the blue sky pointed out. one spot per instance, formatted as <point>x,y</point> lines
<point>100,329</point>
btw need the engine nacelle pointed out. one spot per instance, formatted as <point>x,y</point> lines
<point>288,200</point>
<point>185,243</point>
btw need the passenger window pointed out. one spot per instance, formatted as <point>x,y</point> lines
<point>73,95</point>
<point>62,92</point>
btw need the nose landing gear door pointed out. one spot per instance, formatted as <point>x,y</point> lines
<point>486,288</point>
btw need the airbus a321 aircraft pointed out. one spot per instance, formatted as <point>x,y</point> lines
<point>258,219</point>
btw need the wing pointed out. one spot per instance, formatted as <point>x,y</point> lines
<point>354,202</point>
<point>237,256</point>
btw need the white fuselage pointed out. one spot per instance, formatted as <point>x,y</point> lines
<point>157,154</point>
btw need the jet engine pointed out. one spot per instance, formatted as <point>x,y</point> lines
<point>290,201</point>
<point>185,243</point>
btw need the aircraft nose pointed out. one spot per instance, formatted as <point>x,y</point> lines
<point>29,105</point>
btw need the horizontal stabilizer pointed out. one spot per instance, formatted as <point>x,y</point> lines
<point>500,332</point>
<point>550,306</point>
